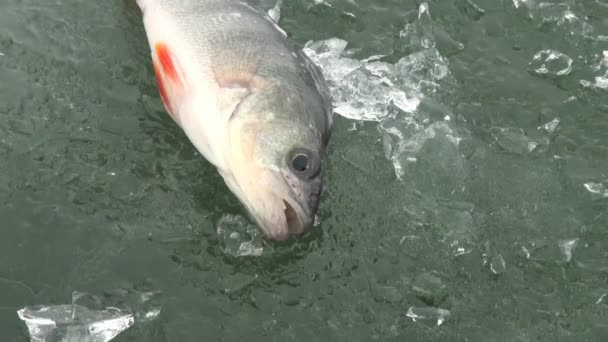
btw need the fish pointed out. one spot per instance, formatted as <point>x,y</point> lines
<point>249,100</point>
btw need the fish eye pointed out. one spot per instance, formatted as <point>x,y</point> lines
<point>304,163</point>
<point>300,163</point>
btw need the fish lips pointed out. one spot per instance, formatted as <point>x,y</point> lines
<point>299,201</point>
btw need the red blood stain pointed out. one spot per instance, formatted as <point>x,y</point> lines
<point>166,62</point>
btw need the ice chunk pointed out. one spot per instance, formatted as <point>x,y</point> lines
<point>567,246</point>
<point>596,188</point>
<point>67,323</point>
<point>275,12</point>
<point>238,237</point>
<point>429,288</point>
<point>428,315</point>
<point>550,126</point>
<point>403,140</point>
<point>550,62</point>
<point>360,90</point>
<point>91,318</point>
<point>400,95</point>
<point>370,89</point>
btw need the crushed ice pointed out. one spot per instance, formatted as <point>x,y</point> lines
<point>400,96</point>
<point>371,89</point>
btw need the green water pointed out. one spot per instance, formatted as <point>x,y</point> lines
<point>507,230</point>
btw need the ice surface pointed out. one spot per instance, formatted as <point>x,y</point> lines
<point>91,318</point>
<point>67,323</point>
<point>404,140</point>
<point>551,63</point>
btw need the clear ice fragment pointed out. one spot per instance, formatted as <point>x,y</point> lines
<point>238,237</point>
<point>428,315</point>
<point>67,323</point>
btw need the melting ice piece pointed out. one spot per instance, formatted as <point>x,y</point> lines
<point>239,238</point>
<point>551,62</point>
<point>428,315</point>
<point>67,323</point>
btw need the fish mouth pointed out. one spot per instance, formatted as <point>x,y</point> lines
<point>295,225</point>
<point>292,221</point>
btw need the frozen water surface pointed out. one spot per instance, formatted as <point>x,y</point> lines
<point>466,181</point>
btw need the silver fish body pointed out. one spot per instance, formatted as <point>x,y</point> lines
<point>254,105</point>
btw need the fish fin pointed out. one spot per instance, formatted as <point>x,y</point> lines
<point>170,79</point>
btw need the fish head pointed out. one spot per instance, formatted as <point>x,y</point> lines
<point>277,166</point>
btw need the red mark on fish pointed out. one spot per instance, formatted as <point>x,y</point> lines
<point>169,81</point>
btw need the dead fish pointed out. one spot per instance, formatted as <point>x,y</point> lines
<point>251,103</point>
